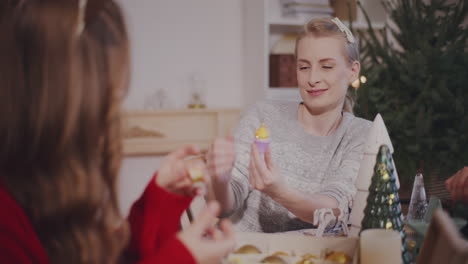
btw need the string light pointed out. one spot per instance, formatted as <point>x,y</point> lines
<point>363,79</point>
<point>358,82</point>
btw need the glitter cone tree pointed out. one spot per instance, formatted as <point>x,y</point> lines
<point>383,209</point>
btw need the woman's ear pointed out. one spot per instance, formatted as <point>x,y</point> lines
<point>355,69</point>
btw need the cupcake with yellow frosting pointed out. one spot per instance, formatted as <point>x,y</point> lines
<point>262,138</point>
<point>196,175</point>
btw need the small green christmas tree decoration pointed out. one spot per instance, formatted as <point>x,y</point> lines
<point>383,209</point>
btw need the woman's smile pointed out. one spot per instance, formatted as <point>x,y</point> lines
<point>316,92</point>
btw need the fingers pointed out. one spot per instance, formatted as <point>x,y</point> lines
<point>182,183</point>
<point>191,190</point>
<point>260,164</point>
<point>216,234</point>
<point>254,154</point>
<point>251,172</point>
<point>205,219</point>
<point>174,169</point>
<point>227,228</point>
<point>221,157</point>
<point>223,247</point>
<point>184,151</point>
<point>465,194</point>
<point>198,191</point>
<point>181,170</point>
<point>268,160</point>
<point>225,242</point>
<point>448,183</point>
<point>258,168</point>
<point>181,177</point>
<point>254,173</point>
<point>460,184</point>
<point>225,231</point>
<point>455,184</point>
<point>173,175</point>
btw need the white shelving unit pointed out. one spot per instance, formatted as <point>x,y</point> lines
<point>263,26</point>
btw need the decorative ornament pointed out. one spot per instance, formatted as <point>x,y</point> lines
<point>383,209</point>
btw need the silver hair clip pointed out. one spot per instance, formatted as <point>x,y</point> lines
<point>81,16</point>
<point>344,29</point>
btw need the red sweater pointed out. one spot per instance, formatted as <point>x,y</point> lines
<point>154,221</point>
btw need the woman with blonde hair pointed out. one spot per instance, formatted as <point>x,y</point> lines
<point>64,70</point>
<point>316,145</point>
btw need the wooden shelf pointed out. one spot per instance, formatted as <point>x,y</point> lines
<point>160,132</point>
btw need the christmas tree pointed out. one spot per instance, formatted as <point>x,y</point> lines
<point>383,209</point>
<point>417,64</point>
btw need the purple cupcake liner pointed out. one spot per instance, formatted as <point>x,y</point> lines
<point>262,146</point>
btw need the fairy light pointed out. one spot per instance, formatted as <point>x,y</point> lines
<point>355,84</point>
<point>363,79</point>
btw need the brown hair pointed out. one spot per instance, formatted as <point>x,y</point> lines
<point>60,130</point>
<point>324,27</point>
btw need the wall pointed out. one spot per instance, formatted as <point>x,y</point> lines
<point>171,41</point>
<point>135,174</point>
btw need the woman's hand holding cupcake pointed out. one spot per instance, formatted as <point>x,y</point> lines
<point>263,174</point>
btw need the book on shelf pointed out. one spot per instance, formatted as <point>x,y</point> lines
<point>292,8</point>
<point>308,10</point>
<point>282,72</point>
<point>306,2</point>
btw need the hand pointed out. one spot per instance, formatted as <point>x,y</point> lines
<point>219,242</point>
<point>220,159</point>
<point>457,185</point>
<point>173,174</point>
<point>263,174</point>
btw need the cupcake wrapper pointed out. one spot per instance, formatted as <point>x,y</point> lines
<point>262,146</point>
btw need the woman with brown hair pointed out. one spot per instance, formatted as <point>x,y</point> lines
<point>63,73</point>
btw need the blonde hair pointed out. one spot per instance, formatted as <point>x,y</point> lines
<point>325,27</point>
